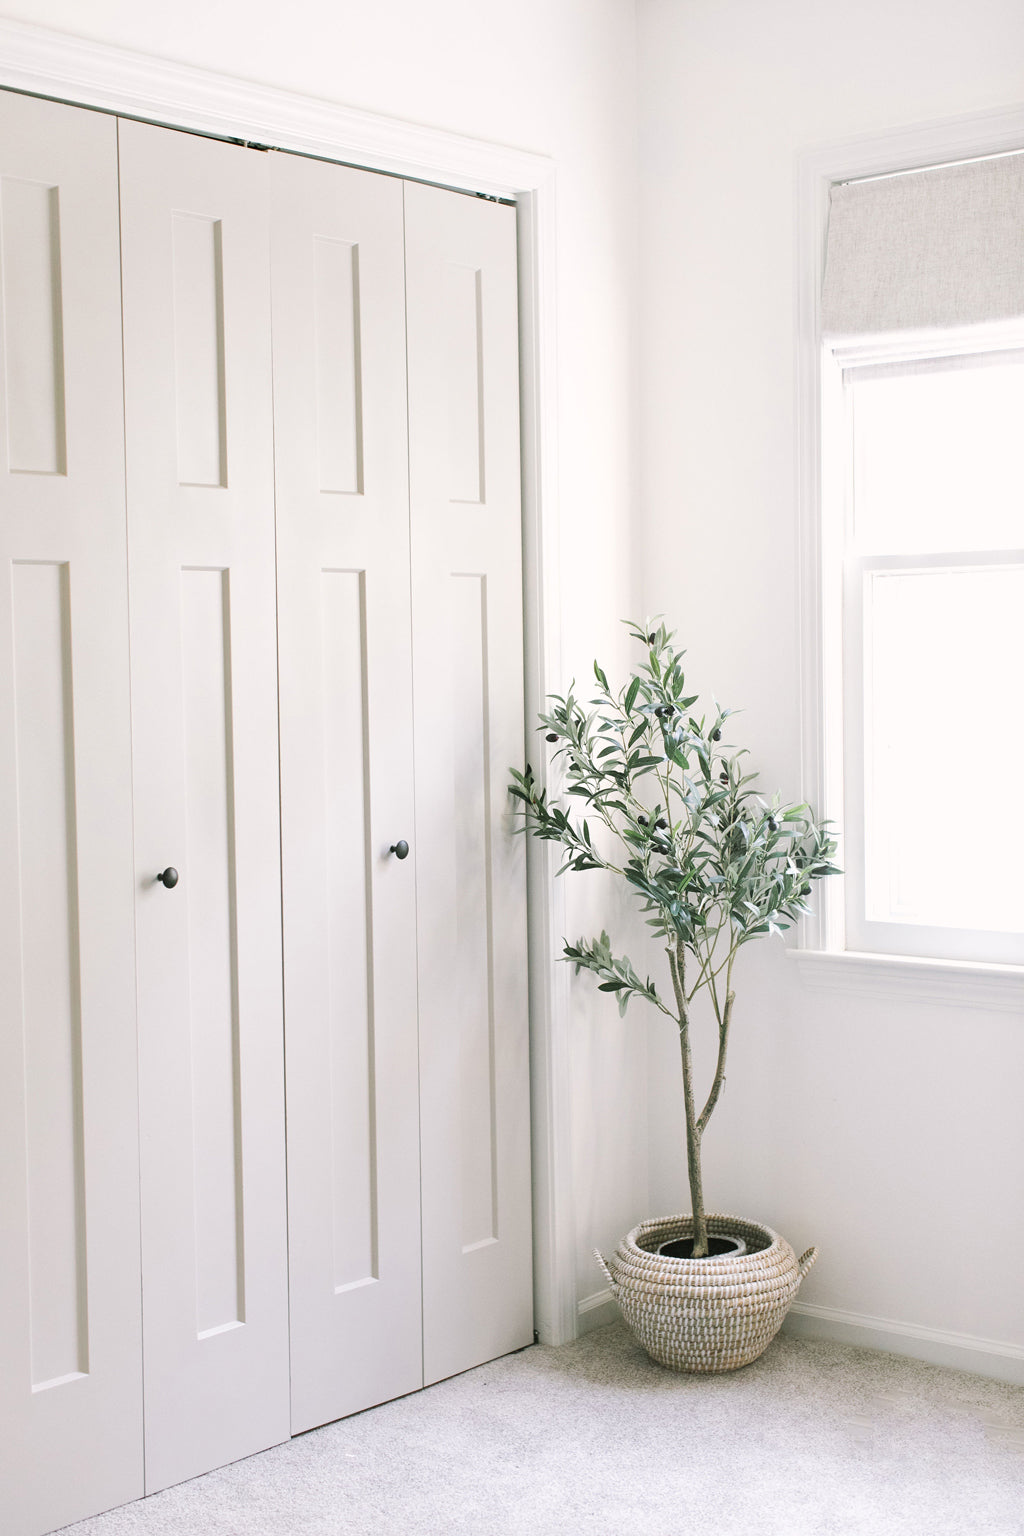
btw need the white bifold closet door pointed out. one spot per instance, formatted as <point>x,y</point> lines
<point>347,788</point>
<point>200,482</point>
<point>467,604</point>
<point>70,1360</point>
<point>258,442</point>
<point>405,978</point>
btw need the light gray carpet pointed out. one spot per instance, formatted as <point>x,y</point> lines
<point>813,1439</point>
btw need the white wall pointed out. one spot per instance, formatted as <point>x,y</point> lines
<point>558,77</point>
<point>890,1135</point>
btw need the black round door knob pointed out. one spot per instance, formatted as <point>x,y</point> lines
<point>168,877</point>
<point>400,850</point>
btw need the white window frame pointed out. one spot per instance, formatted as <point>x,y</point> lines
<point>822,951</point>
<point>843,612</point>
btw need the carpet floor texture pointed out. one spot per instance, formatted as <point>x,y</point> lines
<point>813,1439</point>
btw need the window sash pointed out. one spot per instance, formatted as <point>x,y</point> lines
<point>858,931</point>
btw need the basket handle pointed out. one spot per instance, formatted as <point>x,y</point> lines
<point>806,1260</point>
<point>607,1272</point>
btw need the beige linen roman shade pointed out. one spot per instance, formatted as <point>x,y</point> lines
<point>926,249</point>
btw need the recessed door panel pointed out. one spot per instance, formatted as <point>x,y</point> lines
<point>467,661</point>
<point>51,980</point>
<point>352,1064</point>
<point>211,898</point>
<point>204,681</point>
<point>347,796</point>
<point>33,312</point>
<point>70,1346</point>
<point>200,404</point>
<point>339,382</point>
<point>463,314</point>
<point>472,1016</point>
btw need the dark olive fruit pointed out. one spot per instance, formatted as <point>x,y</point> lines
<point>724,776</point>
<point>773,825</point>
<point>642,821</point>
<point>716,735</point>
<point>661,823</point>
<point>805,890</point>
<point>551,736</point>
<point>651,639</point>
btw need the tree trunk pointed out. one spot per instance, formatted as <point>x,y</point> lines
<point>700,1224</point>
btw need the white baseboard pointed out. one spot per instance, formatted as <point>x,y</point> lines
<point>958,1351</point>
<point>597,1309</point>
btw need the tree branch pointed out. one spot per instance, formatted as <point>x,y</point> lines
<point>716,1086</point>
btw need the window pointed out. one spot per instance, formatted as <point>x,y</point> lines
<point>928,600</point>
<point>923,560</point>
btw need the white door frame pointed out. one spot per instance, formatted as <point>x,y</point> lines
<point>71,69</point>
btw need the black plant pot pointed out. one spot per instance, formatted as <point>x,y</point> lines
<point>718,1247</point>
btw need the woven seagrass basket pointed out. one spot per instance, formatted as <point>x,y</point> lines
<point>710,1314</point>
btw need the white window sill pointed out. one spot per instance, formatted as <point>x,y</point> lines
<point>961,983</point>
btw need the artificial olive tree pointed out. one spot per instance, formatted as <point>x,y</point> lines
<point>670,811</point>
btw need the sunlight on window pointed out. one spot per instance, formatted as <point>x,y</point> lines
<point>944,745</point>
<point>938,459</point>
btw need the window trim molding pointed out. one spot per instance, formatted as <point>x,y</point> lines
<point>908,978</point>
<point>822,959</point>
<point>81,72</point>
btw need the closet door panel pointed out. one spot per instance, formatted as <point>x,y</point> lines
<point>468,669</point>
<point>195,236</point>
<point>347,796</point>
<point>70,1322</point>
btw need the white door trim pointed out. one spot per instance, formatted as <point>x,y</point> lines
<point>86,73</point>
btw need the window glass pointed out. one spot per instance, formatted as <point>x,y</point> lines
<point>938,456</point>
<point>943,745</point>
